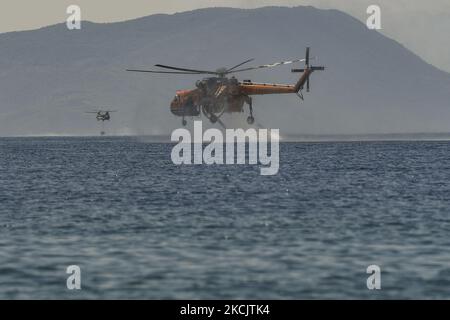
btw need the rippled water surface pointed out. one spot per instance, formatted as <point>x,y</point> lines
<point>140,227</point>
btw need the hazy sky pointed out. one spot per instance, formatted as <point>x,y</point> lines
<point>422,26</point>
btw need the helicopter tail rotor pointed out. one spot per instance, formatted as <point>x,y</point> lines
<point>305,78</point>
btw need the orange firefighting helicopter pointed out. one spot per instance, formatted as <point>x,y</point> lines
<point>216,95</point>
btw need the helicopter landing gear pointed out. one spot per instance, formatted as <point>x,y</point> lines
<point>183,121</point>
<point>250,119</point>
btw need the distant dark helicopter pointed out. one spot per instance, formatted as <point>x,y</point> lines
<point>216,95</point>
<point>102,115</point>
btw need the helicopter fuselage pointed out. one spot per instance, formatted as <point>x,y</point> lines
<point>227,94</point>
<point>103,116</point>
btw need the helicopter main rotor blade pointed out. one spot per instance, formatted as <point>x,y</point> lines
<point>165,72</point>
<point>276,64</point>
<point>187,70</point>
<point>100,110</point>
<point>228,71</point>
<point>240,64</point>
